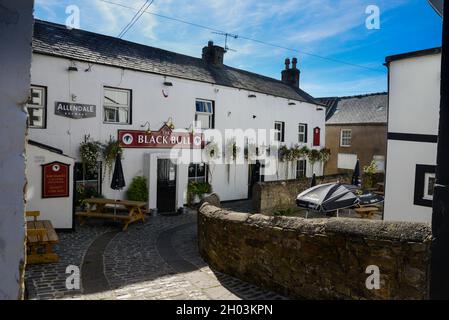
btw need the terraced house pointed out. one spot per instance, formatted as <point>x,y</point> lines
<point>90,85</point>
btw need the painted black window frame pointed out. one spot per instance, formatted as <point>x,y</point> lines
<point>279,134</point>
<point>44,107</point>
<point>130,107</point>
<point>305,133</point>
<point>420,174</point>
<point>197,178</point>
<point>301,173</point>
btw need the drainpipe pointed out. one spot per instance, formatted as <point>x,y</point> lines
<point>439,266</point>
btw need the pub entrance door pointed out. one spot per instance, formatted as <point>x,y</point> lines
<point>166,186</point>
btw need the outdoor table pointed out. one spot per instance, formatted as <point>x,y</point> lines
<point>41,236</point>
<point>136,211</point>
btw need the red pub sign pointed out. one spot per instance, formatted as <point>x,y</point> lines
<point>165,138</point>
<point>55,180</point>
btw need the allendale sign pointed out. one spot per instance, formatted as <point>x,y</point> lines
<point>75,110</point>
<point>165,138</point>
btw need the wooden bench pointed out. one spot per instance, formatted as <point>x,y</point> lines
<point>41,236</point>
<point>136,211</point>
<point>367,212</point>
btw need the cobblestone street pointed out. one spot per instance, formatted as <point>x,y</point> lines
<point>155,260</point>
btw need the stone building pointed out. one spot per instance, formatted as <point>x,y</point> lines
<point>356,129</point>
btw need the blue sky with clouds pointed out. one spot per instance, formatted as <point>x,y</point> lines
<point>328,28</point>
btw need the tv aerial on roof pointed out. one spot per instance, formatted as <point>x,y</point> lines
<point>438,6</point>
<point>227,35</point>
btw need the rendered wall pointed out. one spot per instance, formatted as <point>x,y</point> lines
<point>16,22</point>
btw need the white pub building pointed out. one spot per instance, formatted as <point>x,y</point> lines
<point>90,85</point>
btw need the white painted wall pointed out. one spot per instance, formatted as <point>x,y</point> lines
<point>16,21</point>
<point>150,105</point>
<point>414,100</point>
<point>57,210</point>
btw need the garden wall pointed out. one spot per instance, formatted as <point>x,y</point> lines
<point>317,258</point>
<point>277,195</point>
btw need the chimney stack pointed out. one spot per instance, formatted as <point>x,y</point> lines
<point>213,54</point>
<point>291,76</point>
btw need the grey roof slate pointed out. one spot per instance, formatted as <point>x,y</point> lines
<point>371,108</point>
<point>56,40</point>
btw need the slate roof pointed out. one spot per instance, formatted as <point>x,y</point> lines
<point>370,108</point>
<point>56,40</point>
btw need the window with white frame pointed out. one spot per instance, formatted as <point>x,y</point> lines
<point>346,137</point>
<point>204,115</point>
<point>36,107</point>
<point>198,172</point>
<point>302,133</point>
<point>380,163</point>
<point>279,131</point>
<point>301,167</point>
<point>117,106</point>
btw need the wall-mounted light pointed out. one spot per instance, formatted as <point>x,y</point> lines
<point>72,67</point>
<point>229,113</point>
<point>252,96</point>
<point>147,125</point>
<point>169,123</point>
<point>292,104</point>
<point>168,84</point>
<point>73,97</point>
<point>319,109</point>
<point>254,116</point>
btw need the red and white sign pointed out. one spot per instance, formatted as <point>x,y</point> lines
<point>55,180</point>
<point>165,138</point>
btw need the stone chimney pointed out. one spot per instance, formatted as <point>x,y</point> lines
<point>291,76</point>
<point>213,54</point>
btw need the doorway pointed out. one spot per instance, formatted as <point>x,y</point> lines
<point>166,186</point>
<point>254,176</point>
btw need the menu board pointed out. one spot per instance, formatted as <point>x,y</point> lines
<point>55,180</point>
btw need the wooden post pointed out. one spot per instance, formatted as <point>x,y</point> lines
<point>439,269</point>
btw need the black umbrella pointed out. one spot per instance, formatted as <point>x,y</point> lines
<point>118,179</point>
<point>356,174</point>
<point>328,197</point>
<point>313,183</point>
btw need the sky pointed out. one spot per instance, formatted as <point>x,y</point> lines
<point>328,37</point>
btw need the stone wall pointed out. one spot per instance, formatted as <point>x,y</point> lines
<point>317,258</point>
<point>276,195</point>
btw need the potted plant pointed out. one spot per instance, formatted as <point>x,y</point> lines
<point>110,151</point>
<point>90,151</point>
<point>368,175</point>
<point>138,189</point>
<point>196,191</point>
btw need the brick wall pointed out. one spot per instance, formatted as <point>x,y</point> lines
<point>317,258</point>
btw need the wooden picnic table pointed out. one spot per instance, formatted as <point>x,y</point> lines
<point>367,212</point>
<point>96,208</point>
<point>41,236</point>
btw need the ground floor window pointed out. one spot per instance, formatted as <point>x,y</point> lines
<point>424,185</point>
<point>87,182</point>
<point>198,172</point>
<point>301,166</point>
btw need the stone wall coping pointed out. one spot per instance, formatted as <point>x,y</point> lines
<point>367,229</point>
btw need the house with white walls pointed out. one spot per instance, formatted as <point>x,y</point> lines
<point>413,116</point>
<point>91,85</point>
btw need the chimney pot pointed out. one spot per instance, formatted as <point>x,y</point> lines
<point>287,64</point>
<point>294,63</point>
<point>291,76</point>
